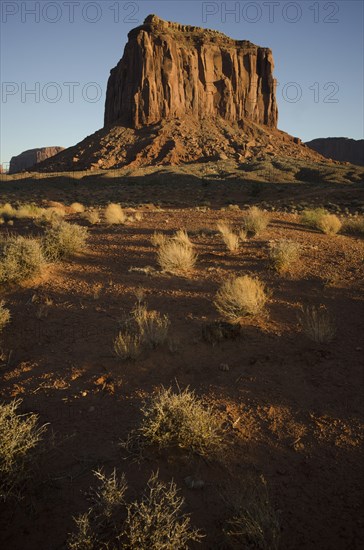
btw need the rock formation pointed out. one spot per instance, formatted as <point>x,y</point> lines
<point>29,158</point>
<point>339,148</point>
<point>170,70</point>
<point>183,94</point>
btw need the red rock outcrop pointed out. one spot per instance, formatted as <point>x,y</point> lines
<point>29,158</point>
<point>339,148</point>
<point>169,70</point>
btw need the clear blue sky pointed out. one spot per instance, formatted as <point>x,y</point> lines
<point>317,47</point>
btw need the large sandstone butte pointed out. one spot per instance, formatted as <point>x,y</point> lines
<point>169,70</point>
<point>340,148</point>
<point>27,159</point>
<point>183,94</point>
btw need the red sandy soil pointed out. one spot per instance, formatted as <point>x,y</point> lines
<point>292,409</point>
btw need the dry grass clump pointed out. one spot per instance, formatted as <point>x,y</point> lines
<point>7,212</point>
<point>180,420</point>
<point>181,236</point>
<point>142,329</point>
<point>29,211</point>
<point>175,255</point>
<point>114,214</point>
<point>19,434</point>
<point>283,254</point>
<point>254,522</point>
<point>153,327</point>
<point>64,240</point>
<point>329,224</point>
<point>20,258</point>
<point>230,238</point>
<point>77,208</point>
<point>92,216</point>
<point>239,297</point>
<point>317,324</point>
<point>157,239</point>
<point>255,220</point>
<point>311,217</point>
<point>154,522</point>
<point>354,225</point>
<point>128,345</point>
<point>4,315</point>
<point>53,215</point>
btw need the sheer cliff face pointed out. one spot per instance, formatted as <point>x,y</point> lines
<point>170,70</point>
<point>28,159</point>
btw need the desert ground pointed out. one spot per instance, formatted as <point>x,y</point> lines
<point>290,409</point>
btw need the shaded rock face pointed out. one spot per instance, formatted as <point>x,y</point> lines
<point>169,70</point>
<point>339,148</point>
<point>29,158</point>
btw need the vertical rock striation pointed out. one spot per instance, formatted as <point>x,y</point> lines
<point>169,70</point>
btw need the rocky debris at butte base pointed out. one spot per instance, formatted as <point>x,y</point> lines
<point>28,159</point>
<point>183,94</point>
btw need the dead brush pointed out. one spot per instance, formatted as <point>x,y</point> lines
<point>154,521</point>
<point>19,435</point>
<point>180,420</point>
<point>239,297</point>
<point>317,324</point>
<point>254,522</point>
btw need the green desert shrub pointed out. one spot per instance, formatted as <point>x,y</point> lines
<point>155,521</point>
<point>239,297</point>
<point>317,324</point>
<point>255,220</point>
<point>114,214</point>
<point>20,258</point>
<point>64,240</point>
<point>180,420</point>
<point>19,435</point>
<point>283,254</point>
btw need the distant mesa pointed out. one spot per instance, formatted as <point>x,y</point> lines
<point>184,94</point>
<point>28,159</point>
<point>340,148</point>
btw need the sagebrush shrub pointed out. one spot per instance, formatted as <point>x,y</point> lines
<point>20,258</point>
<point>156,521</point>
<point>239,297</point>
<point>181,420</point>
<point>64,240</point>
<point>283,254</point>
<point>19,434</point>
